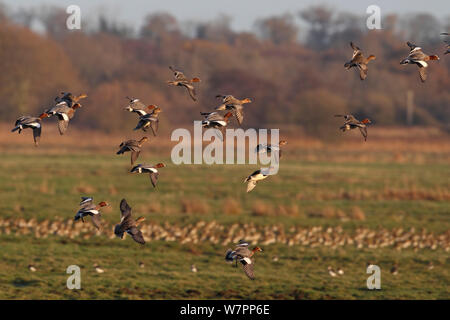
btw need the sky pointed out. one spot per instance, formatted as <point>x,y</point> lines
<point>243,12</point>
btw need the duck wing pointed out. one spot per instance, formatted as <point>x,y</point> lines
<point>251,185</point>
<point>96,221</point>
<point>136,234</point>
<point>125,212</point>
<point>238,112</point>
<point>37,134</point>
<point>154,178</point>
<point>190,88</point>
<point>134,156</point>
<point>248,268</point>
<point>363,131</point>
<point>62,125</point>
<point>363,71</point>
<point>422,73</point>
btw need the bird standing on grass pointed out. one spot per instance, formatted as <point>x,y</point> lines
<point>245,256</point>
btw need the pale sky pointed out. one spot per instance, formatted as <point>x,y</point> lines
<point>243,12</point>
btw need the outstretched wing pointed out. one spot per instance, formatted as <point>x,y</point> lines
<point>96,221</point>
<point>37,134</point>
<point>154,178</point>
<point>62,126</point>
<point>238,111</point>
<point>248,269</point>
<point>125,210</point>
<point>190,88</point>
<point>422,73</point>
<point>134,156</point>
<point>363,132</point>
<point>136,234</point>
<point>251,185</point>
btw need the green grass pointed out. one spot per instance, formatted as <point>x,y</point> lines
<point>45,187</point>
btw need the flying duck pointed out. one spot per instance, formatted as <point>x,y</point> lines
<point>34,123</point>
<point>268,148</point>
<point>152,170</point>
<point>149,120</point>
<point>254,178</point>
<point>352,123</point>
<point>234,105</point>
<point>69,98</point>
<point>182,81</point>
<point>64,114</point>
<point>216,120</point>
<point>359,61</point>
<point>127,224</point>
<point>88,208</point>
<point>417,57</point>
<point>133,146</point>
<point>242,254</point>
<point>136,106</point>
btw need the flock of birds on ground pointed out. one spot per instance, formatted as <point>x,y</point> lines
<point>67,104</point>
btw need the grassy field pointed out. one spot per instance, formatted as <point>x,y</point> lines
<point>391,188</point>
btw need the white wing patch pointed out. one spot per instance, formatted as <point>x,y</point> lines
<point>422,63</point>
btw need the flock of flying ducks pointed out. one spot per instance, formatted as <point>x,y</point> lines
<point>67,104</point>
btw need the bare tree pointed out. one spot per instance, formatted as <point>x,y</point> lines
<point>278,29</point>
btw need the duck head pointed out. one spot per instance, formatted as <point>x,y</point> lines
<point>366,121</point>
<point>282,142</point>
<point>151,107</point>
<point>160,165</point>
<point>43,115</point>
<point>144,139</point>
<point>247,100</point>
<point>157,110</point>
<point>195,80</point>
<point>103,204</point>
<point>257,249</point>
<point>76,106</point>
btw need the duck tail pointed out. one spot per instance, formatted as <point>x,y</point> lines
<point>229,256</point>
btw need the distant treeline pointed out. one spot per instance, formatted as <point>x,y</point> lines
<point>291,66</point>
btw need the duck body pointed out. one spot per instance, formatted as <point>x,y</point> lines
<point>244,256</point>
<point>352,123</point>
<point>88,208</point>
<point>149,120</point>
<point>132,146</point>
<point>150,169</point>
<point>136,106</point>
<point>254,178</point>
<point>182,81</point>
<point>418,58</point>
<point>64,113</point>
<point>34,123</point>
<point>127,224</point>
<point>359,61</point>
<point>234,105</point>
